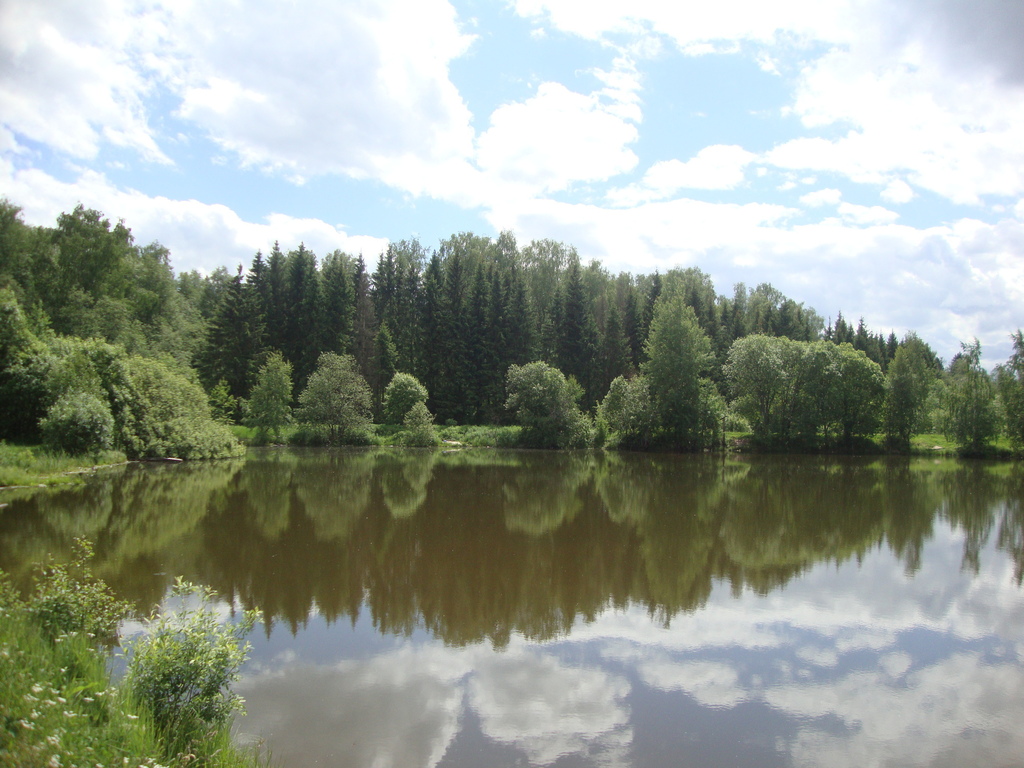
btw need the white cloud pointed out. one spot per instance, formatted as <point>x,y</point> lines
<point>693,27</point>
<point>929,91</point>
<point>328,88</point>
<point>946,130</point>
<point>720,166</point>
<point>337,87</point>
<point>547,709</point>
<point>555,138</point>
<point>71,76</point>
<point>936,706</point>
<point>199,235</point>
<point>822,197</point>
<point>401,708</point>
<point>897,191</point>
<point>711,683</point>
<point>866,215</point>
<point>949,283</point>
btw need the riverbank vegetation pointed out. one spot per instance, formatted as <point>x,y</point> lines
<point>103,347</point>
<point>59,706</point>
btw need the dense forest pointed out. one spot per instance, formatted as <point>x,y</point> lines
<point>99,336</point>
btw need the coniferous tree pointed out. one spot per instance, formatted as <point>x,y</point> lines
<point>633,327</point>
<point>497,345</point>
<point>302,342</point>
<point>385,367</point>
<point>577,339</point>
<point>615,355</point>
<point>235,340</point>
<point>405,317</point>
<point>336,279</point>
<point>452,386</point>
<point>518,324</point>
<point>647,309</point>
<point>276,298</point>
<point>430,328</point>
<point>364,324</point>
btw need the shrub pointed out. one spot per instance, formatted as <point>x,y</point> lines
<point>165,412</point>
<point>181,670</point>
<point>69,598</point>
<point>404,391</point>
<point>545,404</point>
<point>628,411</point>
<point>79,422</point>
<point>420,425</point>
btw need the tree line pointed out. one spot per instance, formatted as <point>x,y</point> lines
<point>494,332</point>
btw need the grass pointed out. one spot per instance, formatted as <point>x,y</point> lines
<point>34,465</point>
<point>58,706</point>
<point>482,436</point>
<point>476,436</point>
<point>929,444</point>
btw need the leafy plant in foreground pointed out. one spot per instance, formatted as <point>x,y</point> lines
<point>69,598</point>
<point>182,669</point>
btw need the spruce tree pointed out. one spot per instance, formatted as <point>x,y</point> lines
<point>234,342</point>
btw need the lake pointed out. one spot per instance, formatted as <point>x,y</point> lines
<point>516,608</point>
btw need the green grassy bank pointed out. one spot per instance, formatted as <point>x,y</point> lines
<point>59,706</point>
<point>35,465</point>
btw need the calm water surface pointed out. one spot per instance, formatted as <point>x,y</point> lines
<point>487,608</point>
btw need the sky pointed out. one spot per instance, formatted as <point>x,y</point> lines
<point>862,156</point>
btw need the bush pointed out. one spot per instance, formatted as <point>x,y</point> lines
<point>404,391</point>
<point>69,598</point>
<point>544,402</point>
<point>420,425</point>
<point>181,670</point>
<point>628,411</point>
<point>165,412</point>
<point>79,422</point>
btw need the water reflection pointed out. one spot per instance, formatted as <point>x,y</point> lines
<point>504,608</point>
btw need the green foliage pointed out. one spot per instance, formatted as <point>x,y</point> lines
<point>804,392</point>
<point>420,425</point>
<point>1010,381</point>
<point>853,390</point>
<point>483,436</point>
<point>456,319</point>
<point>222,403</point>
<point>402,393</point>
<point>78,423</point>
<point>24,369</point>
<point>268,408</point>
<point>760,370</point>
<point>971,419</point>
<point>57,703</point>
<point>25,465</point>
<point>164,412</point>
<point>69,598</point>
<point>628,412</point>
<point>687,409</point>
<point>337,399</point>
<point>544,404</point>
<point>181,670</point>
<point>907,384</point>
